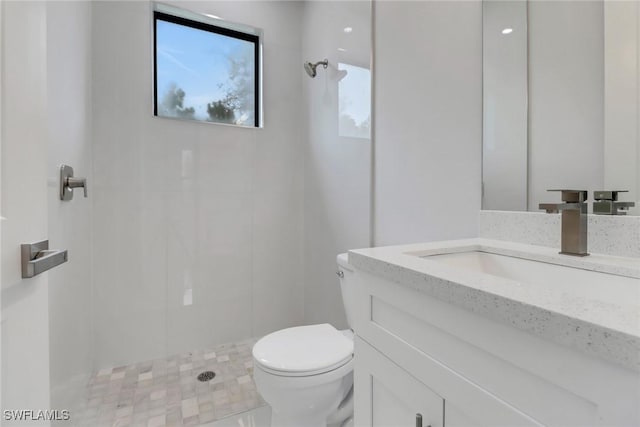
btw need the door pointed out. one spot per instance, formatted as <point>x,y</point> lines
<point>388,396</point>
<point>24,302</point>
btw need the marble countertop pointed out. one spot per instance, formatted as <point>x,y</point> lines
<point>607,328</point>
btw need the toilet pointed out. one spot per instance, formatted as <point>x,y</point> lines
<point>305,373</point>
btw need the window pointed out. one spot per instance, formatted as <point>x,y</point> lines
<point>205,72</point>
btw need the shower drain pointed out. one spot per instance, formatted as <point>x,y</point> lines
<point>206,376</point>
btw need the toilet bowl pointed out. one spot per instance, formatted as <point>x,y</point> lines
<point>305,373</point>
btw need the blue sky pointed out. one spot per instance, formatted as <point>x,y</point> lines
<point>196,61</point>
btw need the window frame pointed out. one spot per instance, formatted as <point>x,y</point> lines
<point>216,29</point>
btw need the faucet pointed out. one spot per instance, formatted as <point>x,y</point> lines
<point>574,221</point>
<point>606,203</point>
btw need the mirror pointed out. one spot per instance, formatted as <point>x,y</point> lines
<point>561,95</point>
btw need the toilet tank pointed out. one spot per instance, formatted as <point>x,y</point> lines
<point>347,286</point>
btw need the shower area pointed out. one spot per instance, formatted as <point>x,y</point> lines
<point>195,239</point>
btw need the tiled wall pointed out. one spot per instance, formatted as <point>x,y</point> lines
<point>197,227</point>
<point>69,125</point>
<point>337,165</point>
<point>611,235</point>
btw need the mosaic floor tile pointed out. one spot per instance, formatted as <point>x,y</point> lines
<point>166,392</point>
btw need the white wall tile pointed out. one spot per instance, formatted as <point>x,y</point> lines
<point>69,142</point>
<point>130,276</point>
<point>176,209</point>
<point>278,162</point>
<point>224,160</point>
<point>278,281</point>
<point>336,168</point>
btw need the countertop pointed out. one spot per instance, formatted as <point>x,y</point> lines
<point>608,329</point>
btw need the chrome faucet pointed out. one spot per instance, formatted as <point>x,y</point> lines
<point>574,221</point>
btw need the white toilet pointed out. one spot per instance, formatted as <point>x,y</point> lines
<point>306,373</point>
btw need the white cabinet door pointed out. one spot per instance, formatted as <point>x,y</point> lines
<point>388,396</point>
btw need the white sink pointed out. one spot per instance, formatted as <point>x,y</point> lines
<point>553,278</point>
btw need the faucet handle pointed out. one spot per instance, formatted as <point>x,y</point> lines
<point>608,195</point>
<point>68,183</point>
<point>77,183</point>
<point>573,196</point>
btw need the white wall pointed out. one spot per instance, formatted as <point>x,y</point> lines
<point>182,206</point>
<point>428,120</point>
<point>504,110</point>
<point>69,142</point>
<point>336,167</point>
<point>621,98</point>
<point>1,217</point>
<point>25,332</point>
<point>566,97</point>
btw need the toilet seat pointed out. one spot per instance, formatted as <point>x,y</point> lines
<point>303,351</point>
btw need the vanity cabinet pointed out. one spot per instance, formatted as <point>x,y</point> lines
<point>389,396</point>
<point>414,353</point>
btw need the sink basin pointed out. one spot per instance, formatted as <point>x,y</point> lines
<point>552,277</point>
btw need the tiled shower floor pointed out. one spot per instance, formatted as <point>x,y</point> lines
<point>166,392</point>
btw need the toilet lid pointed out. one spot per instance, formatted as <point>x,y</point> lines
<point>310,349</point>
